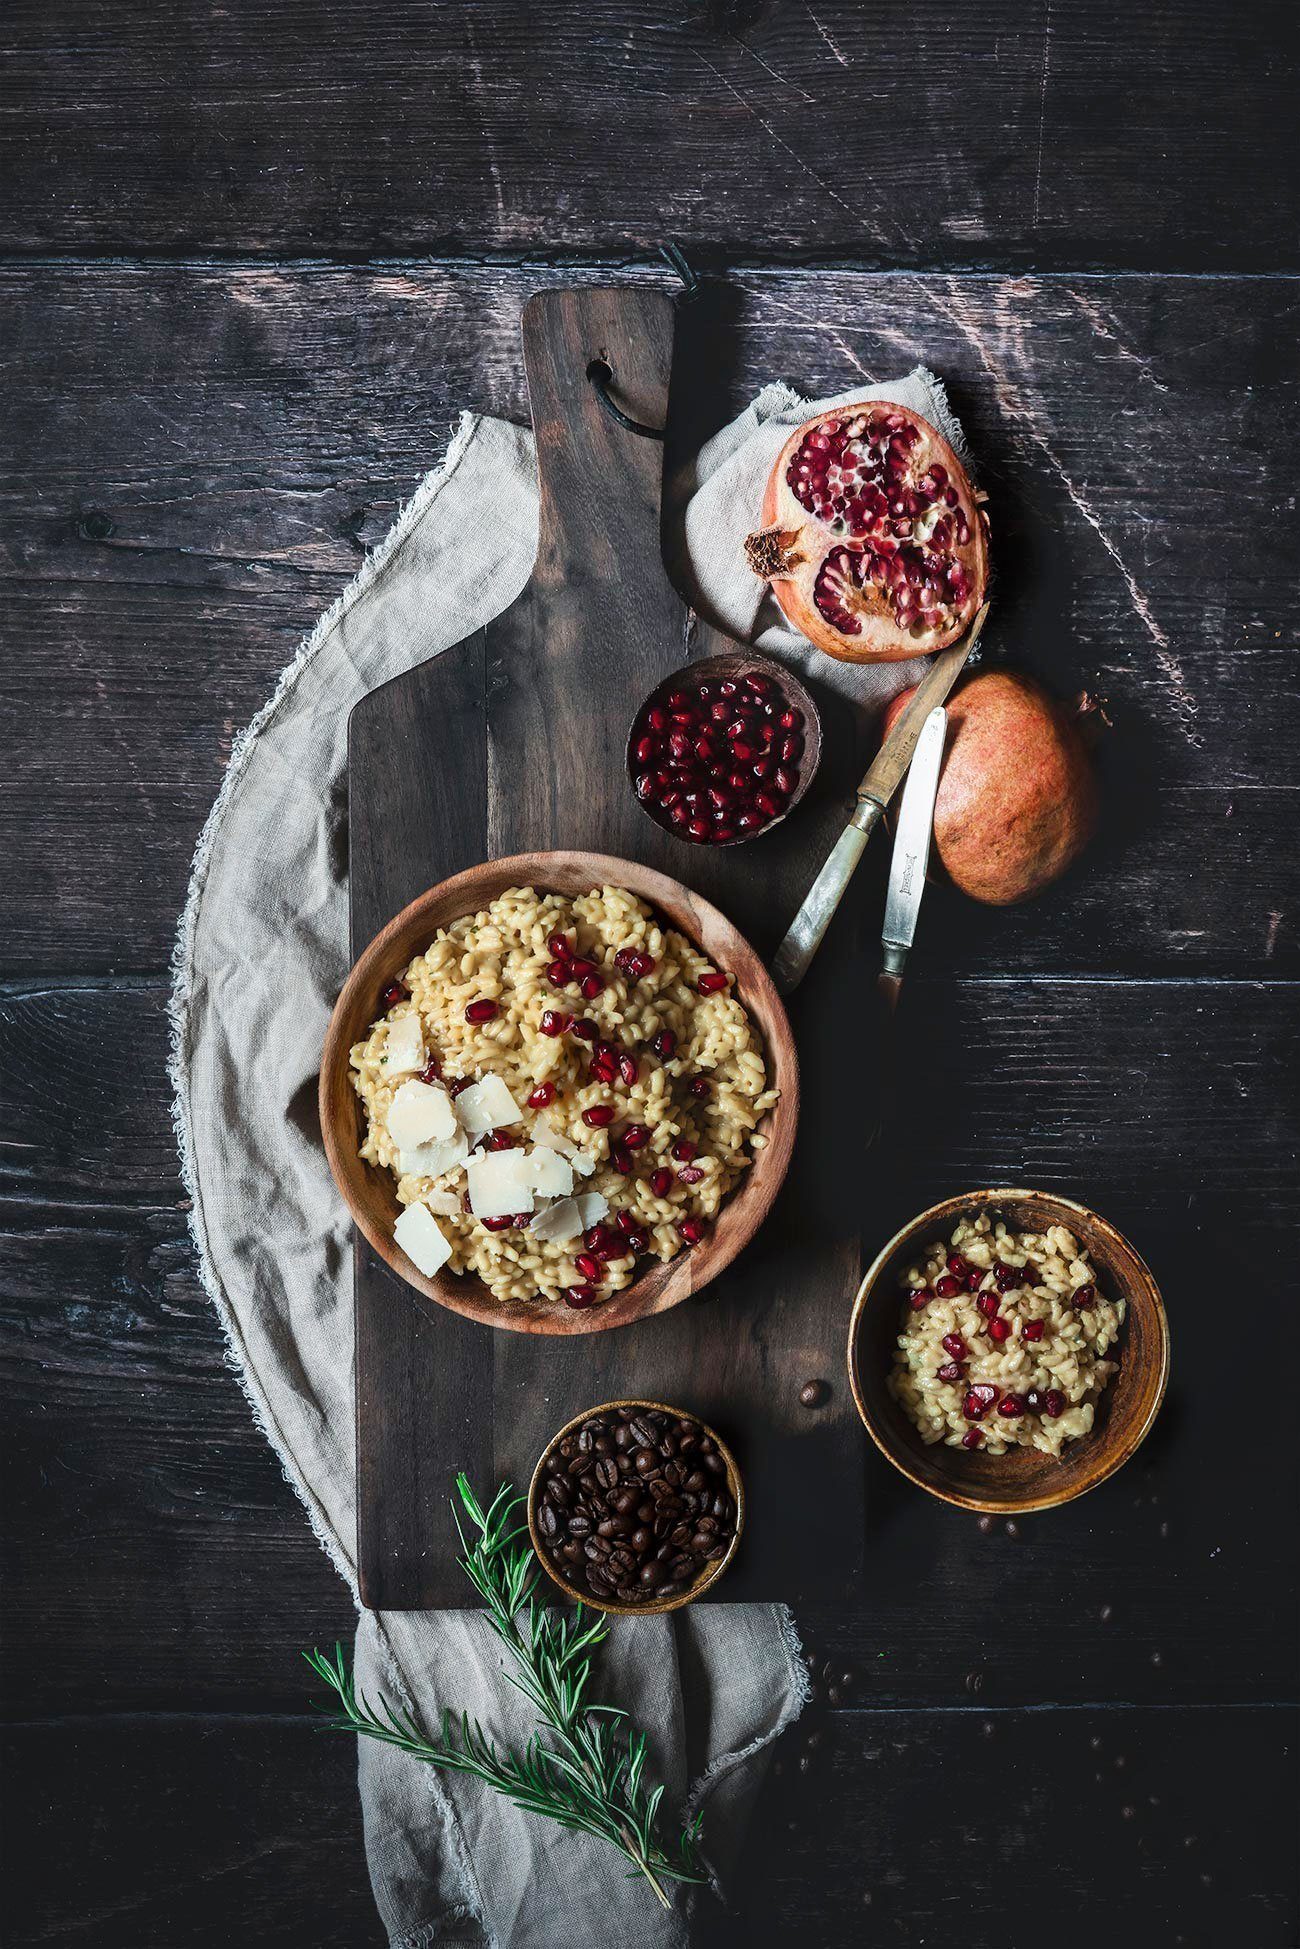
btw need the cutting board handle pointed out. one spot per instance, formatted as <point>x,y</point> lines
<point>601,484</point>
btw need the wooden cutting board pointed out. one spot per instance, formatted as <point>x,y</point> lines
<point>514,740</point>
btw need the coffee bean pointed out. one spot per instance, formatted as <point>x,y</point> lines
<point>633,1506</point>
<point>813,1393</point>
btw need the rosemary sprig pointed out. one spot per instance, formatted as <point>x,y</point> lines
<point>590,1773</point>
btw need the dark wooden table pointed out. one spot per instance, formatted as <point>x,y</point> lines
<point>254,261</point>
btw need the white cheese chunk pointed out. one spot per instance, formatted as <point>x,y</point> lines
<point>404,1044</point>
<point>550,1175</point>
<point>434,1160</point>
<point>545,1132</point>
<point>499,1184</point>
<point>420,1113</point>
<point>446,1203</point>
<point>558,1222</point>
<point>486,1105</point>
<point>592,1207</point>
<point>421,1238</point>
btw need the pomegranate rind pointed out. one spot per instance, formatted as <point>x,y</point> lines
<point>806,541</point>
<point>1017,799</point>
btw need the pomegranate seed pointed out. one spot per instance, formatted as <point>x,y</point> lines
<point>768,805</point>
<point>458,1083</point>
<point>743,752</point>
<point>628,1068</point>
<point>791,719</point>
<point>690,1174</point>
<point>522,1220</point>
<point>502,1140</point>
<point>999,1330</point>
<point>748,822</point>
<point>580,1296</point>
<point>621,1158</point>
<point>481,1011</point>
<point>557,946</point>
<point>1007,1276</point>
<point>758,683</point>
<point>698,827</point>
<point>661,1182</point>
<point>955,1345</point>
<point>1084,1299</point>
<point>591,986</point>
<point>581,966</point>
<point>1011,1405</point>
<point>588,1030</point>
<point>644,750</point>
<point>790,751</point>
<point>553,1022</point>
<point>958,1266</point>
<point>974,1280</point>
<point>604,1243</point>
<point>786,780</point>
<point>1031,1330</point>
<point>978,1400</point>
<point>559,974</point>
<point>692,1230</point>
<point>496,1224</point>
<point>920,1297</point>
<point>988,1305</point>
<point>973,1438</point>
<point>657,719</point>
<point>728,687</point>
<point>633,963</point>
<point>636,1136</point>
<point>712,983</point>
<point>604,1069</point>
<point>952,1370</point>
<point>599,1116</point>
<point>638,1241</point>
<point>1054,1402</point>
<point>700,1086</point>
<point>946,1286</point>
<point>665,1045</point>
<point>432,1071</point>
<point>590,1268</point>
<point>625,1220</point>
<point>684,1150</point>
<point>396,991</point>
<point>541,1096</point>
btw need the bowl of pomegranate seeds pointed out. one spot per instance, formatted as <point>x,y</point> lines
<point>724,749</point>
<point>1008,1350</point>
<point>558,1093</point>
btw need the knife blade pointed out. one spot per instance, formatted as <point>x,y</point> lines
<point>912,844</point>
<point>807,930</point>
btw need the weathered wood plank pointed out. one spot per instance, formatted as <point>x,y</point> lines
<point>200,457</point>
<point>929,1827</point>
<point>1055,134</point>
<point>144,1508</point>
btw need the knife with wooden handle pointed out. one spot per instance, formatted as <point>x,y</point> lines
<point>807,929</point>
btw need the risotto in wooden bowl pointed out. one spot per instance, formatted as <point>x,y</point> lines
<point>558,1093</point>
<point>1008,1350</point>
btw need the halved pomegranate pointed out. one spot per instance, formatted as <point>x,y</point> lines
<point>873,539</point>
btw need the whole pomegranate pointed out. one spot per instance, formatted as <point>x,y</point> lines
<point>1017,794</point>
<point>872,539</point>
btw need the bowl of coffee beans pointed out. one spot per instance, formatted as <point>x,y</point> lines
<point>636,1507</point>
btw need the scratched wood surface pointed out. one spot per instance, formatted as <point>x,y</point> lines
<point>213,403</point>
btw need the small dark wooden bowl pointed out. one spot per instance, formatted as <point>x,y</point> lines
<point>737,663</point>
<point>1022,1479</point>
<point>655,1606</point>
<point>371,1194</point>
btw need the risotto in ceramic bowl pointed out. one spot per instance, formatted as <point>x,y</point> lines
<point>560,1086</point>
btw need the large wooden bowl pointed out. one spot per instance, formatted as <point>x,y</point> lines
<point>1022,1479</point>
<point>371,1194</point>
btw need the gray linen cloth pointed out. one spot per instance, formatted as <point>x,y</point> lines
<point>260,957</point>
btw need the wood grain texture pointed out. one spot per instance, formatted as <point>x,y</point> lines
<point>1183,1815</point>
<point>199,457</point>
<point>144,1509</point>
<point>1081,133</point>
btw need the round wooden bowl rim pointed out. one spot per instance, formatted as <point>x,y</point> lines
<point>743,1210</point>
<point>1049,1499</point>
<point>741,659</point>
<point>735,1484</point>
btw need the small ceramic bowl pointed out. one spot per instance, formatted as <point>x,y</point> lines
<point>735,664</point>
<point>654,1606</point>
<point>1022,1479</point>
